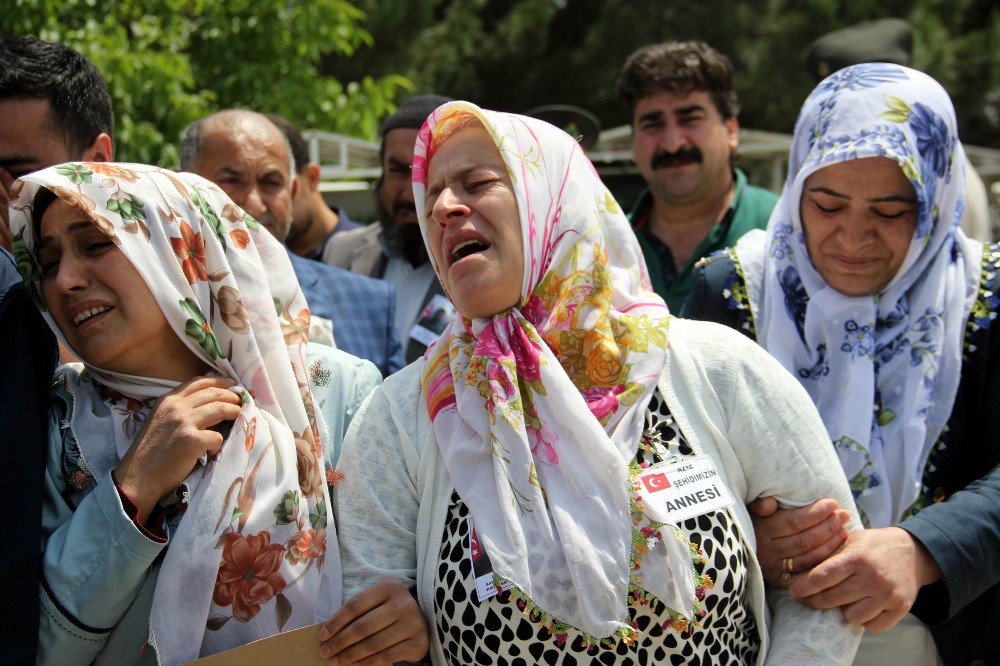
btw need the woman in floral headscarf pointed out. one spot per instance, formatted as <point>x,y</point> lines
<point>526,450</point>
<point>187,503</point>
<point>866,289</point>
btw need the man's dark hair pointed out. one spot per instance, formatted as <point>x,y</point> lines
<point>297,142</point>
<point>75,90</point>
<point>678,68</point>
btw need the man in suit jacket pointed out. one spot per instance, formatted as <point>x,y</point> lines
<point>54,108</point>
<point>393,249</point>
<point>246,155</point>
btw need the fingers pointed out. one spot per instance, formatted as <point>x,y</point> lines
<point>381,625</point>
<point>202,382</point>
<point>788,522</point>
<point>830,573</point>
<point>820,539</point>
<point>356,606</point>
<point>763,506</point>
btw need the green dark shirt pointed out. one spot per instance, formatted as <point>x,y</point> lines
<point>750,210</point>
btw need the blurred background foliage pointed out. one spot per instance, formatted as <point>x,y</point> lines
<point>517,54</point>
<point>341,66</point>
<point>168,62</point>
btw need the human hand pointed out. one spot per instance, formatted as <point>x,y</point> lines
<point>6,182</point>
<point>806,536</point>
<point>176,434</point>
<point>379,625</point>
<point>875,577</point>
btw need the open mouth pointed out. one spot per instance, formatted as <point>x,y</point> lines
<point>87,315</point>
<point>468,248</point>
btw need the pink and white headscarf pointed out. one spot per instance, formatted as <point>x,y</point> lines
<point>538,410</point>
<point>254,553</point>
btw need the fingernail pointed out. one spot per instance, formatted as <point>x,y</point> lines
<point>324,634</point>
<point>324,651</point>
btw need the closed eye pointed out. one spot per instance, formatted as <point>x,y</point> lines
<point>891,215</point>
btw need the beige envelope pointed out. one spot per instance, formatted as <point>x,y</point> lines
<point>299,647</point>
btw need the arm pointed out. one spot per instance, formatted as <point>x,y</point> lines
<point>784,452</point>
<point>95,562</point>
<point>377,502</point>
<point>967,556</point>
<point>376,506</point>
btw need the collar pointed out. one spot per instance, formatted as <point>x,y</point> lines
<point>639,215</point>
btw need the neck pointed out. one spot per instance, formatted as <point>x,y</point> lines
<point>682,225</point>
<point>323,222</point>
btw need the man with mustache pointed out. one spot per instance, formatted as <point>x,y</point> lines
<point>683,111</point>
<point>393,249</point>
<point>247,156</point>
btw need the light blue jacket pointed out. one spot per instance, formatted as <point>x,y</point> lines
<point>99,571</point>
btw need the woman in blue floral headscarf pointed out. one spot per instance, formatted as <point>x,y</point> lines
<point>866,289</point>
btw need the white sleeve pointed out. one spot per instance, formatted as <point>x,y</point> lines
<point>377,502</point>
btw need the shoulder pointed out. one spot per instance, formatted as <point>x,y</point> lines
<point>399,400</point>
<point>341,246</point>
<point>340,367</point>
<point>344,283</point>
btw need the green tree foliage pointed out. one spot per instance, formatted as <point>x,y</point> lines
<point>517,54</point>
<point>168,62</point>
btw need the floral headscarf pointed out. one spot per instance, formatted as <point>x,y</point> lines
<point>253,553</point>
<point>538,410</point>
<point>883,370</point>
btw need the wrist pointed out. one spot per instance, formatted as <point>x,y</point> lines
<point>134,491</point>
<point>926,567</point>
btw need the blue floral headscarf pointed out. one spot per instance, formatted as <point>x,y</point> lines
<point>883,369</point>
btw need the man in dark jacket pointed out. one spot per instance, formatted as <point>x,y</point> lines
<point>54,107</point>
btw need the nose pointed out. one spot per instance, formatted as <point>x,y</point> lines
<point>71,275</point>
<point>673,138</point>
<point>856,230</point>
<point>449,207</point>
<point>252,202</point>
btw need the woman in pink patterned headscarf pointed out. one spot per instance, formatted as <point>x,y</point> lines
<point>510,478</point>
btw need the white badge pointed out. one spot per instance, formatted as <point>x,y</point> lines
<point>677,490</point>
<point>482,568</point>
<point>433,320</point>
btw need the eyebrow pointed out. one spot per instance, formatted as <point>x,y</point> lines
<point>656,114</point>
<point>688,110</point>
<point>894,198</point>
<point>229,171</point>
<point>393,162</point>
<point>73,228</point>
<point>17,160</point>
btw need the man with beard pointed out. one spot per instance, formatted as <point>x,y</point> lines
<point>247,156</point>
<point>393,249</point>
<point>683,108</point>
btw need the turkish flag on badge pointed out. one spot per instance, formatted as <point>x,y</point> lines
<point>656,482</point>
<point>476,550</point>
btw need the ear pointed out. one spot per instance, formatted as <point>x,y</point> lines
<point>101,150</point>
<point>733,130</point>
<point>312,176</point>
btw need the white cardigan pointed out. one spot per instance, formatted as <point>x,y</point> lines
<point>732,401</point>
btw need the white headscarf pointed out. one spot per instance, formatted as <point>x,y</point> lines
<point>884,369</point>
<point>227,289</point>
<point>538,410</point>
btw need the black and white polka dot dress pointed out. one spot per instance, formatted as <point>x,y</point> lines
<point>498,631</point>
